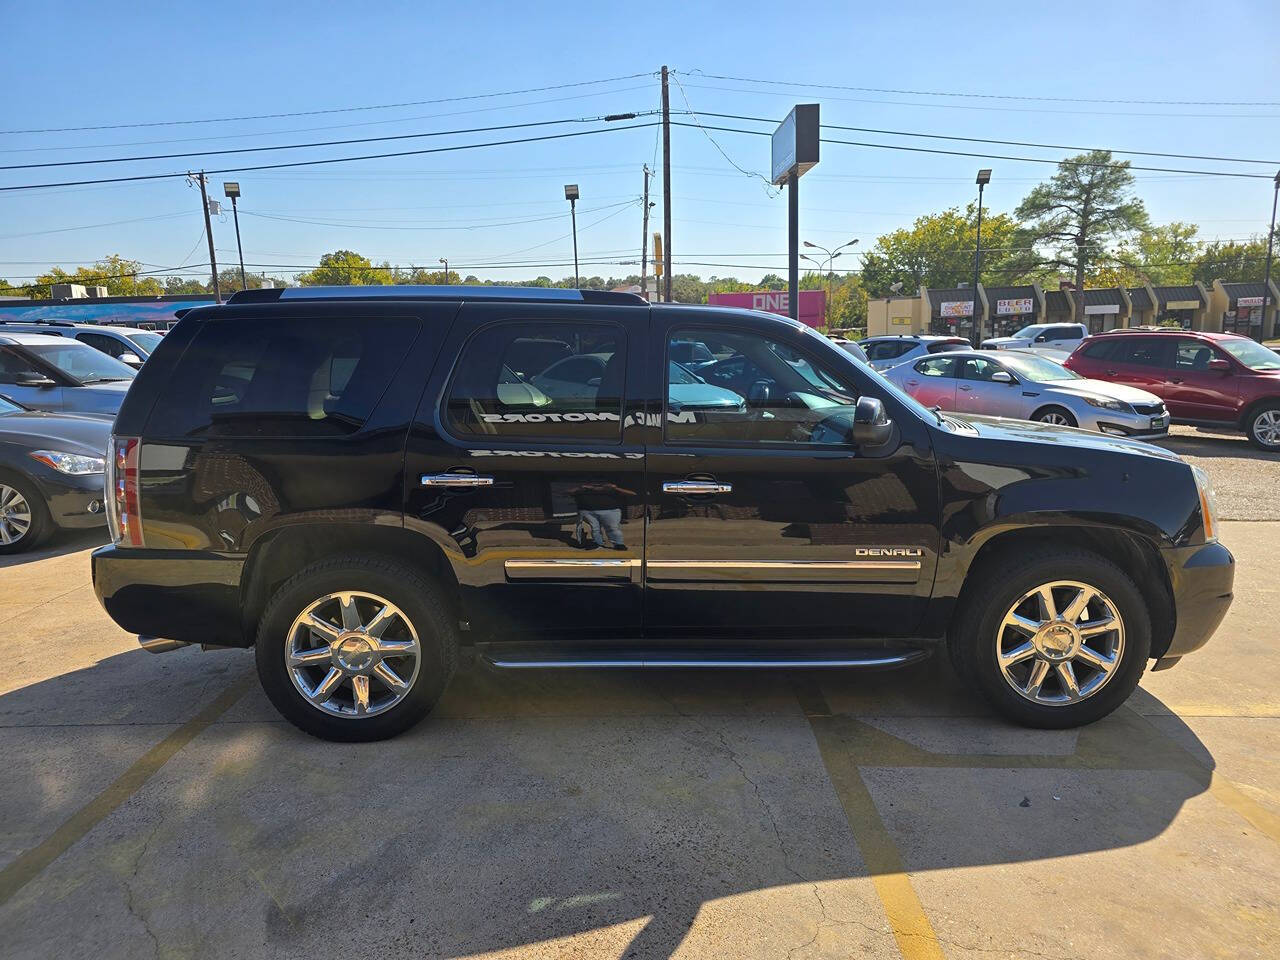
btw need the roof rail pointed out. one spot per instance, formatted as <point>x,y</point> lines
<point>436,292</point>
<point>46,323</point>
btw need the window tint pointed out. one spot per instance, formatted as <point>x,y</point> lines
<point>282,378</point>
<point>887,349</point>
<point>82,361</point>
<point>1069,331</point>
<point>1101,350</point>
<point>937,367</point>
<point>763,392</point>
<point>977,368</point>
<point>942,346</point>
<point>540,380</point>
<point>108,345</point>
<point>12,364</point>
<point>1144,351</point>
<point>1192,355</point>
<point>689,352</point>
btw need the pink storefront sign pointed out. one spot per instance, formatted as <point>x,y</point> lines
<point>813,303</point>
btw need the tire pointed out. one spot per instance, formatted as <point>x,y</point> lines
<point>979,632</point>
<point>15,491</point>
<point>1057,415</point>
<point>370,584</point>
<point>1263,426</point>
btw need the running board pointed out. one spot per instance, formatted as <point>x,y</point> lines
<point>542,655</point>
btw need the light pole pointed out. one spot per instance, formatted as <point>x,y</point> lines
<point>232,190</point>
<point>571,194</point>
<point>831,256</point>
<point>984,177</point>
<point>1266,284</point>
<point>445,261</point>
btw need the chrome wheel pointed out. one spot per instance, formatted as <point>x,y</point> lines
<point>15,515</point>
<point>1266,428</point>
<point>353,654</point>
<point>1060,643</point>
<point>1059,419</point>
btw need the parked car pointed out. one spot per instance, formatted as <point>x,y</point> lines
<point>1015,383</point>
<point>333,476</point>
<point>51,474</point>
<point>1208,379</point>
<point>129,345</point>
<point>885,352</point>
<point>850,347</point>
<point>1055,339</point>
<point>57,374</point>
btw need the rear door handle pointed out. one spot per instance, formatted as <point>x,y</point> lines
<point>686,487</point>
<point>964,387</point>
<point>455,480</point>
<point>1175,379</point>
<point>1109,373</point>
<point>913,383</point>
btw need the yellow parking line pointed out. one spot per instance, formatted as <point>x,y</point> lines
<point>911,928</point>
<point>30,864</point>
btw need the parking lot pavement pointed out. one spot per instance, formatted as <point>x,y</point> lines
<point>157,806</point>
<point>1245,478</point>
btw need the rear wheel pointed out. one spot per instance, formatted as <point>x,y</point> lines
<point>356,649</point>
<point>24,519</point>
<point>1056,415</point>
<point>1054,639</point>
<point>1263,427</point>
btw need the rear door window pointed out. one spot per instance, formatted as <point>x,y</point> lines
<point>1145,352</point>
<point>287,377</point>
<point>887,349</point>
<point>937,367</point>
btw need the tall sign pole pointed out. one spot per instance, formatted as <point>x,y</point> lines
<point>794,152</point>
<point>644,236</point>
<point>666,187</point>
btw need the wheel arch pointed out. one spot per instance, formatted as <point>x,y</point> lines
<point>1253,408</point>
<point>1054,405</point>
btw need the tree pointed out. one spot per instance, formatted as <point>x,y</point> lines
<point>118,275</point>
<point>938,250</point>
<point>1233,262</point>
<point>346,268</point>
<point>771,281</point>
<point>1075,216</point>
<point>1164,254</point>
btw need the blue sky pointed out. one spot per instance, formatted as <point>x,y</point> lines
<point>88,64</point>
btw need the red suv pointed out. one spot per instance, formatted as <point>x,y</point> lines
<point>1206,379</point>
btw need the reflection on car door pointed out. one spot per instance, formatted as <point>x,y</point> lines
<point>1193,391</point>
<point>976,392</point>
<point>932,381</point>
<point>766,523</point>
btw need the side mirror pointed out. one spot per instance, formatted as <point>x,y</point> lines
<point>871,426</point>
<point>1042,338</point>
<point>30,378</point>
<point>1002,376</point>
<point>759,393</point>
<point>132,359</point>
<point>1220,364</point>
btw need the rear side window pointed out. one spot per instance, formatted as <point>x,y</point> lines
<point>295,377</point>
<point>937,367</point>
<point>540,381</point>
<point>1144,352</point>
<point>887,349</point>
<point>1101,350</point>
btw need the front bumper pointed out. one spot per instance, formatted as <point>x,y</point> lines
<point>74,502</point>
<point>1117,423</point>
<point>1202,579</point>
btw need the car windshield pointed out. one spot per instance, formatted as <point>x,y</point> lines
<point>1028,332</point>
<point>147,341</point>
<point>82,362</point>
<point>1039,369</point>
<point>1252,354</point>
<point>7,406</point>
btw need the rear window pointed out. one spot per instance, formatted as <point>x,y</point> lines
<point>294,377</point>
<point>942,346</point>
<point>887,349</point>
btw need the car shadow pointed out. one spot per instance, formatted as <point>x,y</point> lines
<point>59,543</point>
<point>1215,445</point>
<point>536,805</point>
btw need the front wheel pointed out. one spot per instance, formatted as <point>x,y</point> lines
<point>1056,415</point>
<point>1264,427</point>
<point>24,518</point>
<point>1054,639</point>
<point>356,649</point>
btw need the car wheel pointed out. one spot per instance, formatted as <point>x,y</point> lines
<point>1056,415</point>
<point>1055,639</point>
<point>356,649</point>
<point>1264,427</point>
<point>24,519</point>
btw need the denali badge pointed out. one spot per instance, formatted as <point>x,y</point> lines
<point>888,552</point>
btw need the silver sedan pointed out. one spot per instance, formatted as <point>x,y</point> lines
<point>1030,387</point>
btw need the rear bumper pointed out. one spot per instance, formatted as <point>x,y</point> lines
<point>1202,579</point>
<point>187,595</point>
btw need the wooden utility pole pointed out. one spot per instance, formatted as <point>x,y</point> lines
<point>208,232</point>
<point>666,188</point>
<point>644,235</point>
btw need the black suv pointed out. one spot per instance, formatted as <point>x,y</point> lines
<point>358,481</point>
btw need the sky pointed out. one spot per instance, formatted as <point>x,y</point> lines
<point>1084,75</point>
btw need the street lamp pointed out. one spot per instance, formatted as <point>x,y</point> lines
<point>831,256</point>
<point>984,177</point>
<point>232,190</point>
<point>1266,284</point>
<point>571,194</point>
<point>445,261</point>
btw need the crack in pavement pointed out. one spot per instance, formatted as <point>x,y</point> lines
<point>130,898</point>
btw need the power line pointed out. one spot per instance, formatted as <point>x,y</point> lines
<point>330,160</point>
<point>417,225</point>
<point>92,226</point>
<point>313,113</point>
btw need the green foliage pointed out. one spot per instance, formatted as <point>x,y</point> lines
<point>1233,262</point>
<point>345,268</point>
<point>1164,254</point>
<point>118,275</point>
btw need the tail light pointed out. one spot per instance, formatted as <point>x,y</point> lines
<point>124,513</point>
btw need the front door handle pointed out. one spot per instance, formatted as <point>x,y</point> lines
<point>686,487</point>
<point>1109,373</point>
<point>455,480</point>
<point>1175,379</point>
<point>964,387</point>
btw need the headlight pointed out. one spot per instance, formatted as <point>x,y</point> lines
<point>1208,504</point>
<point>1106,404</point>
<point>72,464</point>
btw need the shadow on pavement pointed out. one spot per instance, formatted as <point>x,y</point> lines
<point>60,543</point>
<point>536,805</point>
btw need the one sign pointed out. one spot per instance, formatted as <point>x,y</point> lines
<point>795,142</point>
<point>901,321</point>
<point>1005,308</point>
<point>956,308</point>
<point>1249,302</point>
<point>1094,309</point>
<point>657,255</point>
<point>1182,305</point>
<point>813,303</point>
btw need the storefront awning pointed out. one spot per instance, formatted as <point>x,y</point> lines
<point>1182,297</point>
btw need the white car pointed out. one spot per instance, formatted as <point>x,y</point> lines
<point>129,345</point>
<point>1055,339</point>
<point>889,351</point>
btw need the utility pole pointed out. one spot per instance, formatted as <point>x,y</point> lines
<point>208,232</point>
<point>644,235</point>
<point>1266,283</point>
<point>666,188</point>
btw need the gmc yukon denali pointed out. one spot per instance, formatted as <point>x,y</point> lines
<point>359,481</point>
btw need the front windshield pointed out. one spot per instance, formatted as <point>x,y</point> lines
<point>1039,369</point>
<point>84,363</point>
<point>147,341</point>
<point>1252,354</point>
<point>7,406</point>
<point>1028,332</point>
